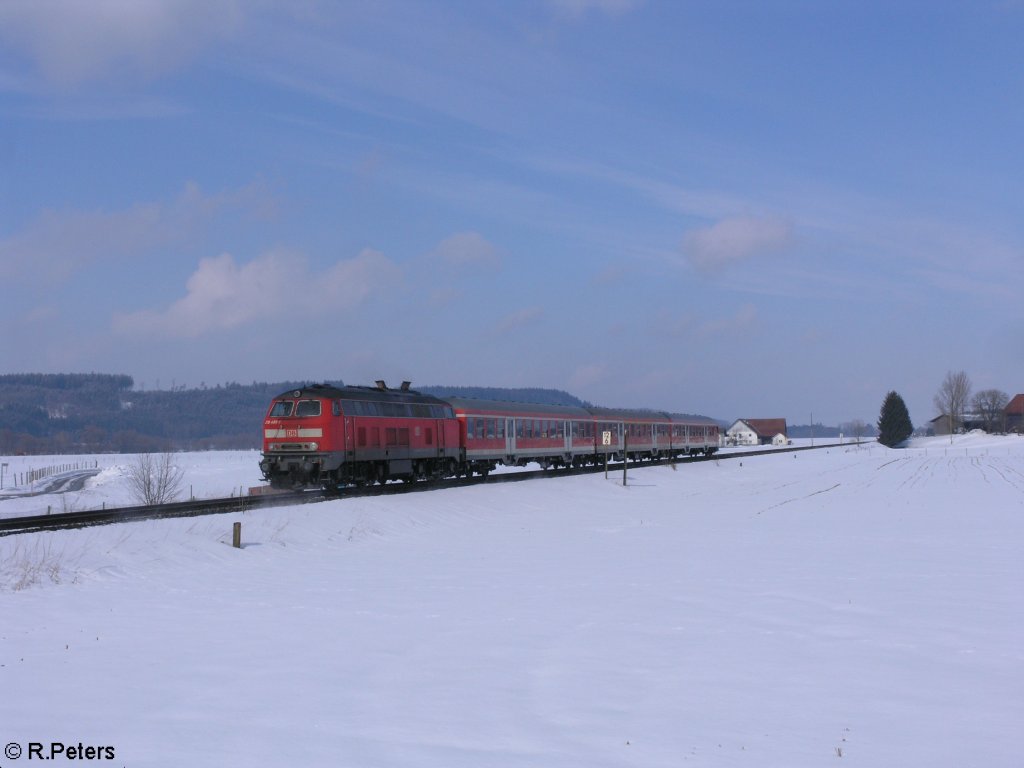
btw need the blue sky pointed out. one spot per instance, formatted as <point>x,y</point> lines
<point>767,209</point>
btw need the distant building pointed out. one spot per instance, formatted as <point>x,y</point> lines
<point>941,423</point>
<point>1015,414</point>
<point>757,432</point>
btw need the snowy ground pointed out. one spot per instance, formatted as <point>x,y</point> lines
<point>849,607</point>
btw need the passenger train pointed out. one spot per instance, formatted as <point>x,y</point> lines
<point>329,437</point>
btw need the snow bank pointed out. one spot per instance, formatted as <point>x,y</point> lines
<point>855,605</point>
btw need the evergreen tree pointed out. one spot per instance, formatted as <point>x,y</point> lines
<point>894,421</point>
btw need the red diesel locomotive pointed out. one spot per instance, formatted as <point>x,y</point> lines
<point>325,436</point>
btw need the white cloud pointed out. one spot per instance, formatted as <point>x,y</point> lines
<point>466,249</point>
<point>222,294</point>
<point>72,41</point>
<point>734,239</point>
<point>59,243</point>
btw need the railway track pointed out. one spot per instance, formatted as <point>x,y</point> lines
<point>236,504</point>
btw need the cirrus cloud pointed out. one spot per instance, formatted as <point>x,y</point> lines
<point>466,249</point>
<point>58,244</point>
<point>575,9</point>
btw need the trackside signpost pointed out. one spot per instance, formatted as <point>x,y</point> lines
<point>606,439</point>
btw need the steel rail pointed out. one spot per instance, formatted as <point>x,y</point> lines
<point>235,504</point>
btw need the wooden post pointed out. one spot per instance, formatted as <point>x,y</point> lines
<point>236,536</point>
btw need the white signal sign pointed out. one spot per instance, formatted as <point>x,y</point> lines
<point>606,438</point>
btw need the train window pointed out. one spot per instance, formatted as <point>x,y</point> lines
<point>281,409</point>
<point>519,428</point>
<point>403,436</point>
<point>560,429</point>
<point>469,428</point>
<point>490,429</point>
<point>479,429</point>
<point>307,408</point>
<point>499,432</point>
<point>336,407</point>
<point>391,436</point>
<point>361,440</point>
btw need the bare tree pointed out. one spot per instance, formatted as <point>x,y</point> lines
<point>858,428</point>
<point>991,404</point>
<point>155,479</point>
<point>951,399</point>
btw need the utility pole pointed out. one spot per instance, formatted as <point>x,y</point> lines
<point>625,456</point>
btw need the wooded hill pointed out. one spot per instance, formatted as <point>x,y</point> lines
<point>96,413</point>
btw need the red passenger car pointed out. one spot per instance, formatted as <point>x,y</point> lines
<point>496,432</point>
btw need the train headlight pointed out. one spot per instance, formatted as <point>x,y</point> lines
<point>314,446</point>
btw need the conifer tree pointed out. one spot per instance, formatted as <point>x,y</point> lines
<point>894,424</point>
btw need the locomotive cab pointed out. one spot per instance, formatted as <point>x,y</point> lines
<point>297,439</point>
<point>333,436</point>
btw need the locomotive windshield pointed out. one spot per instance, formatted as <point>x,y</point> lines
<point>284,408</point>
<point>281,408</point>
<point>307,408</point>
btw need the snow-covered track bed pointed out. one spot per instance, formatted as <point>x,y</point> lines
<point>198,507</point>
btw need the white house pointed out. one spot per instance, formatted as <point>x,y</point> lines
<point>757,432</point>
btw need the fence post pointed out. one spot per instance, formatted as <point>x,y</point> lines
<point>236,536</point>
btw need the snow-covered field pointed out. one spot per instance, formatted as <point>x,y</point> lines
<point>853,606</point>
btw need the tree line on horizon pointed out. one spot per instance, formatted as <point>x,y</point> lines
<point>103,413</point>
<point>957,404</point>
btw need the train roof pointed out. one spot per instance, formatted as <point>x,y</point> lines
<point>628,414</point>
<point>640,414</point>
<point>373,394</point>
<point>517,409</point>
<point>683,418</point>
